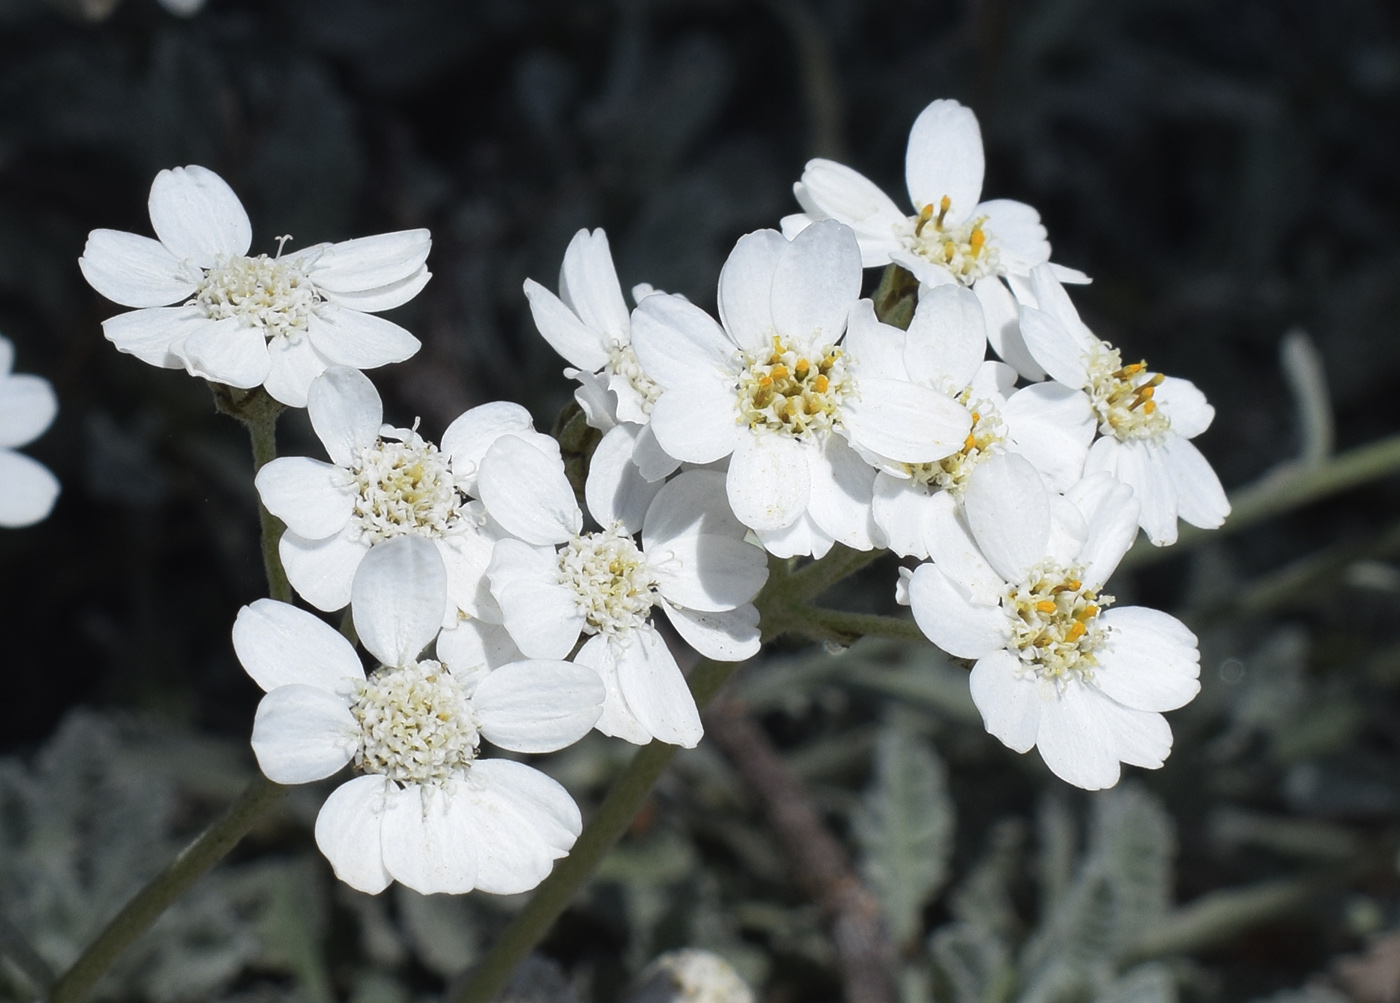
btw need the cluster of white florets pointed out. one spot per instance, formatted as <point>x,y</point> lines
<point>270,293</point>
<point>951,473</point>
<point>1123,396</point>
<point>404,487</point>
<point>785,391</point>
<point>963,249</point>
<point>1054,622</point>
<point>614,587</point>
<point>416,724</point>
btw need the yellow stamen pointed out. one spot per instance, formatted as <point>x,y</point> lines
<point>765,381</point>
<point>1088,611</point>
<point>1077,630</point>
<point>944,204</point>
<point>803,367</point>
<point>977,239</point>
<point>779,373</point>
<point>970,443</point>
<point>821,383</point>
<point>925,214</point>
<point>1045,606</point>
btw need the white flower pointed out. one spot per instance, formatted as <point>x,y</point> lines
<point>775,388</point>
<point>248,321</point>
<point>915,504</point>
<point>27,408</point>
<point>555,582</point>
<point>424,809</point>
<point>1056,669</point>
<point>382,483</point>
<point>1145,419</point>
<point>952,237</point>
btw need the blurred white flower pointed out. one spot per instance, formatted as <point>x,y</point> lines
<point>27,407</point>
<point>424,810</point>
<point>276,322</point>
<point>555,582</point>
<point>1056,669</point>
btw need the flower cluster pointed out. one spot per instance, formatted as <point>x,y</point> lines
<point>501,608</point>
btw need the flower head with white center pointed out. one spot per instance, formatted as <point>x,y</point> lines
<point>250,320</point>
<point>425,808</point>
<point>383,483</point>
<point>1145,419</point>
<point>555,582</point>
<point>803,415</point>
<point>27,408</point>
<point>1056,668</point>
<point>951,238</point>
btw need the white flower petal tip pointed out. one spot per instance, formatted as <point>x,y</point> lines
<point>397,598</point>
<point>28,405</point>
<point>275,321</point>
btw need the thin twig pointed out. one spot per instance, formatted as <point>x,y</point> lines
<point>820,863</point>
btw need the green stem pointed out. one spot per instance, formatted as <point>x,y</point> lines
<point>262,430</point>
<point>1286,488</point>
<point>846,628</point>
<point>626,797</point>
<point>211,846</point>
<point>811,581</point>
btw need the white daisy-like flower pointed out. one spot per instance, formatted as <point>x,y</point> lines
<point>1056,668</point>
<point>951,237</point>
<point>246,321</point>
<point>556,582</point>
<point>425,809</point>
<point>1145,419</point>
<point>27,408</point>
<point>915,505</point>
<point>382,483</point>
<point>800,414</point>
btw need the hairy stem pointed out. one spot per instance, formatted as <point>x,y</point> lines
<point>211,846</point>
<point>628,793</point>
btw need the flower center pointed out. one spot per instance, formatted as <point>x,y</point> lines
<point>609,576</point>
<point>416,724</point>
<point>404,487</point>
<point>951,472</point>
<point>1123,396</point>
<point>622,361</point>
<point>786,392</point>
<point>264,292</point>
<point>1053,622</point>
<point>962,249</point>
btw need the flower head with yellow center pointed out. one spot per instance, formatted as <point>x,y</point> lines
<point>962,248</point>
<point>785,390</point>
<point>1124,396</point>
<point>1055,625</point>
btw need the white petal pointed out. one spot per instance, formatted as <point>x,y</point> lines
<point>1185,405</point>
<point>945,158</point>
<point>1202,499</point>
<point>7,356</point>
<point>1149,660</point>
<point>950,620</point>
<point>703,571</point>
<point>29,491</point>
<point>27,408</point>
<point>362,340</point>
<point>134,270</point>
<point>905,422</point>
<point>303,733</point>
<point>541,614</point>
<point>841,193</point>
<point>676,341</point>
<point>803,538</point>
<point>539,799</point>
<point>769,480</point>
<point>588,284</point>
<point>323,570</point>
<point>727,636</point>
<point>1111,512</point>
<point>155,335</point>
<point>474,432</point>
<point>382,298</point>
<point>526,491</point>
<point>617,720</point>
<point>367,264</point>
<point>815,284</point>
<point>472,645</point>
<point>898,507</point>
<point>1008,510</point>
<point>226,351</point>
<point>1076,740</point>
<point>311,497</point>
<point>1068,531</point>
<point>570,337</point>
<point>652,460</point>
<point>1144,465</point>
<point>655,690</point>
<point>538,706</point>
<point>746,289</point>
<point>616,491</point>
<point>842,488</point>
<point>695,502</point>
<point>877,348</point>
<point>516,825</point>
<point>348,832</point>
<point>428,839</point>
<point>699,421</point>
<point>197,216</point>
<point>1141,738</point>
<point>1051,425</point>
<point>994,381</point>
<point>1017,232</point>
<point>466,555</point>
<point>595,397</point>
<point>1053,347</point>
<point>280,645</point>
<point>1003,318</point>
<point>345,411</point>
<point>947,338</point>
<point>951,547</point>
<point>1010,703</point>
<point>295,364</point>
<point>397,598</point>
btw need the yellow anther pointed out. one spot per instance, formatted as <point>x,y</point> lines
<point>802,368</point>
<point>970,443</point>
<point>976,417</point>
<point>977,239</point>
<point>949,249</point>
<point>1045,606</point>
<point>821,383</point>
<point>1150,407</point>
<point>779,372</point>
<point>1088,611</point>
<point>1156,380</point>
<point>765,381</point>
<point>925,214</point>
<point>944,204</point>
<point>1076,630</point>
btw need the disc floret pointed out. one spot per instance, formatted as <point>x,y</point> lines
<point>951,472</point>
<point>1123,396</point>
<point>1054,622</point>
<point>785,390</point>
<point>416,724</point>
<point>608,573</point>
<point>962,248</point>
<point>274,294</point>
<point>404,487</point>
<point>622,361</point>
